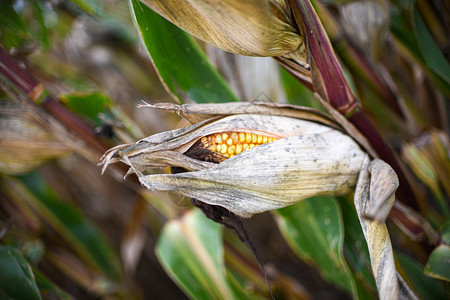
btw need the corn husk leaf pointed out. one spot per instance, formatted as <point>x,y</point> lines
<point>195,113</point>
<point>389,283</point>
<point>227,25</point>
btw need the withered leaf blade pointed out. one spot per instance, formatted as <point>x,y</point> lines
<point>389,283</point>
<point>226,24</point>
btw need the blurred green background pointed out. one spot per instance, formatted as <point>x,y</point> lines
<point>68,232</point>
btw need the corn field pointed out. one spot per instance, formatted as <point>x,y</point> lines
<point>233,149</point>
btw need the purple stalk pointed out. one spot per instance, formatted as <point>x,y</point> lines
<point>330,83</point>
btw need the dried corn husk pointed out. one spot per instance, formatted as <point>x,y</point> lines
<point>227,24</point>
<point>370,191</point>
<point>310,159</point>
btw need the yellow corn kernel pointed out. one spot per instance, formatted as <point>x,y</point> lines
<point>219,138</point>
<point>230,144</point>
<point>254,138</point>
<point>259,140</point>
<point>231,150</point>
<point>234,136</point>
<point>238,149</point>
<point>242,137</point>
<point>248,137</point>
<point>223,148</point>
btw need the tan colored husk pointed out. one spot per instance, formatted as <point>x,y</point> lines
<point>195,113</point>
<point>227,24</point>
<point>311,159</point>
<point>389,283</point>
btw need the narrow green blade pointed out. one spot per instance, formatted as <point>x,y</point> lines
<point>431,53</point>
<point>313,228</point>
<point>181,64</point>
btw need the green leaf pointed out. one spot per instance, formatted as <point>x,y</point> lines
<point>438,265</point>
<point>190,250</point>
<point>41,30</point>
<point>356,251</point>
<point>16,276</point>
<point>73,227</point>
<point>313,228</point>
<point>296,92</point>
<point>409,27</point>
<point>181,64</point>
<point>431,53</point>
<point>91,6</point>
<point>425,287</point>
<point>12,29</point>
<point>90,105</point>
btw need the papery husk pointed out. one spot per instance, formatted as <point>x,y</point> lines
<point>195,113</point>
<point>370,188</point>
<point>310,160</point>
<point>245,27</point>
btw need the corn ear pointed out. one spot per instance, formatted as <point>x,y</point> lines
<point>273,175</point>
<point>308,159</point>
